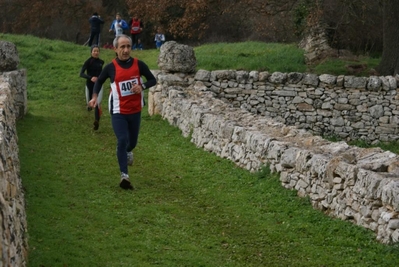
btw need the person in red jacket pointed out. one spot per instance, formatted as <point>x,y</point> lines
<point>136,28</point>
<point>125,101</point>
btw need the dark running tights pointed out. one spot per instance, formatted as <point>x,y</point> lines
<point>126,129</point>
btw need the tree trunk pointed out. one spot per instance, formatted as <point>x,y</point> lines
<point>389,64</point>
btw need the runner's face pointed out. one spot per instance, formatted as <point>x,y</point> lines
<point>95,52</point>
<point>123,49</point>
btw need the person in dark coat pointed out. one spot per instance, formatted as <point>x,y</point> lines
<point>95,28</point>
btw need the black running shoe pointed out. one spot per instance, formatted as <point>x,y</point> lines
<point>96,124</point>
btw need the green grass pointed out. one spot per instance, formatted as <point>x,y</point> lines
<point>338,67</point>
<point>251,56</point>
<point>190,208</point>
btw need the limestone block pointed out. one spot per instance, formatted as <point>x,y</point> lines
<point>375,159</point>
<point>395,236</point>
<point>393,224</point>
<point>275,150</point>
<point>289,157</point>
<point>242,76</point>
<point>367,184</point>
<point>220,75</point>
<point>278,77</point>
<point>389,192</point>
<point>264,76</point>
<point>311,79</point>
<point>388,83</point>
<point>254,75</point>
<point>328,79</point>
<point>202,75</point>
<point>171,79</point>
<point>9,58</point>
<point>174,57</point>
<point>374,83</point>
<point>355,82</point>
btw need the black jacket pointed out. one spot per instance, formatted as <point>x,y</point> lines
<point>95,23</point>
<point>93,67</point>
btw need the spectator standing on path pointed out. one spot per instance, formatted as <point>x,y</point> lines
<point>95,28</point>
<point>126,101</point>
<point>136,28</point>
<point>118,25</point>
<point>159,38</point>
<point>93,66</point>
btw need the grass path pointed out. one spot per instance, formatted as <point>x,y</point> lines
<point>190,208</point>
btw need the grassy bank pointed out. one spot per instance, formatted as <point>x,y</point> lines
<point>190,208</point>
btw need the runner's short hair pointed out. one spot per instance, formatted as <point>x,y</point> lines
<point>116,40</point>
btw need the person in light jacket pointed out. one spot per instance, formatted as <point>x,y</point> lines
<point>118,26</point>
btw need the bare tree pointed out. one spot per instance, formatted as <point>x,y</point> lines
<point>65,20</point>
<point>354,25</point>
<point>351,24</point>
<point>181,19</point>
<point>389,64</point>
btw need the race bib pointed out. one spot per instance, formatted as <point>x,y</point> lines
<point>126,86</point>
<point>118,30</point>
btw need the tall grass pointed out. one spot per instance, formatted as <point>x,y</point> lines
<point>190,208</point>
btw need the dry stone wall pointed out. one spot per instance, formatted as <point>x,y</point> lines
<point>244,116</point>
<point>352,108</point>
<point>13,103</point>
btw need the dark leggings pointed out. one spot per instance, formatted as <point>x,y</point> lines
<point>126,129</point>
<point>90,86</point>
<point>135,40</point>
<point>94,35</point>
